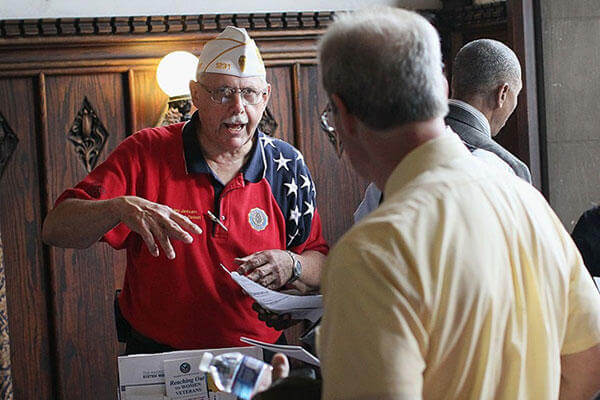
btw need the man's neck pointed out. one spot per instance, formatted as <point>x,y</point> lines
<point>224,162</point>
<point>479,104</point>
<point>391,147</point>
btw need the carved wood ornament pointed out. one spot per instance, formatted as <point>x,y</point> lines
<point>88,135</point>
<point>8,143</point>
<point>267,123</point>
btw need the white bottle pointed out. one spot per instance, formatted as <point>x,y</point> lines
<point>235,373</point>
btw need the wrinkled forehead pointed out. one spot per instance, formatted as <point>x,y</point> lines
<point>218,80</point>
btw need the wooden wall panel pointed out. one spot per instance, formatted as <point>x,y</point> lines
<point>339,189</point>
<point>149,101</point>
<point>26,276</point>
<point>83,280</point>
<point>281,102</point>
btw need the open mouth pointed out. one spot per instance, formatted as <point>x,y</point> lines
<point>235,127</point>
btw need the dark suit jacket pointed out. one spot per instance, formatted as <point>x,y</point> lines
<point>475,136</point>
<point>586,235</point>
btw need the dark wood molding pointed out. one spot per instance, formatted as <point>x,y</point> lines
<point>119,26</point>
<point>283,39</point>
<point>473,16</point>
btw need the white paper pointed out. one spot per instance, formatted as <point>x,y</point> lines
<point>184,380</point>
<point>300,307</point>
<point>289,350</point>
<point>142,376</point>
<point>597,281</point>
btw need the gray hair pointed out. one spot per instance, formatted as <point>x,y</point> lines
<point>481,66</point>
<point>386,66</point>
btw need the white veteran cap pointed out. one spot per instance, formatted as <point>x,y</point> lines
<point>231,53</point>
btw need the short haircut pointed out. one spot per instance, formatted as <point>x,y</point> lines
<point>481,66</point>
<point>386,66</point>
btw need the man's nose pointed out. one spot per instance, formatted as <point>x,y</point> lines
<point>237,103</point>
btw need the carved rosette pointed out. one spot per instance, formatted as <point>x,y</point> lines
<point>267,123</point>
<point>88,135</point>
<point>8,143</point>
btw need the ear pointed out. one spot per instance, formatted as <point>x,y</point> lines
<point>446,86</point>
<point>501,95</point>
<point>347,121</point>
<point>194,87</point>
<point>268,92</point>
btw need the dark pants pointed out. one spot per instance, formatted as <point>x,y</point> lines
<point>136,343</point>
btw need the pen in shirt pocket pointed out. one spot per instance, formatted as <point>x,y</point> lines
<point>216,220</point>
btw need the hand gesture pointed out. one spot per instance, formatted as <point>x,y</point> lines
<point>156,223</point>
<point>270,268</point>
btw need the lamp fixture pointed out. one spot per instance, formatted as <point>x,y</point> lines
<point>173,75</point>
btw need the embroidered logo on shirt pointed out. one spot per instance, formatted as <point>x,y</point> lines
<point>258,219</point>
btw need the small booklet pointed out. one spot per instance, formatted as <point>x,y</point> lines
<point>299,307</point>
<point>296,352</point>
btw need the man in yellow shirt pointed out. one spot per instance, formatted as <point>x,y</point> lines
<point>463,284</point>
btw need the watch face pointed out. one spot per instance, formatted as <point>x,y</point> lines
<point>297,271</point>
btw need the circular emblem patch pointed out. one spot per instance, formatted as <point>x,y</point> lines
<point>258,219</point>
<point>185,368</point>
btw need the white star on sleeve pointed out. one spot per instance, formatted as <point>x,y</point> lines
<point>268,140</point>
<point>282,162</point>
<point>292,187</point>
<point>299,156</point>
<point>306,182</point>
<point>295,215</point>
<point>310,209</point>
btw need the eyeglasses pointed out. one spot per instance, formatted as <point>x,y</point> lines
<point>332,135</point>
<point>224,95</point>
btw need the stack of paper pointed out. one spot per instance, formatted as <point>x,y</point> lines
<point>300,307</point>
<point>296,352</point>
<point>172,375</point>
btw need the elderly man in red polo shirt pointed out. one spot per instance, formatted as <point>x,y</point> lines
<point>184,198</point>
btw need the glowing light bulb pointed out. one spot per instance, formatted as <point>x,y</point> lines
<point>175,71</point>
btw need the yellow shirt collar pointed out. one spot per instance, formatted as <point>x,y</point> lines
<point>433,153</point>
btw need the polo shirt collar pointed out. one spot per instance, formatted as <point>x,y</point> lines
<point>432,154</point>
<point>195,163</point>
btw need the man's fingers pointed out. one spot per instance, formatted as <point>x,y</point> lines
<point>176,232</point>
<point>146,235</point>
<point>241,260</point>
<point>251,262</point>
<point>281,366</point>
<point>259,274</point>
<point>186,223</point>
<point>163,239</point>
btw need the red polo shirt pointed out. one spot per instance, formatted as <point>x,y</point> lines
<point>190,302</point>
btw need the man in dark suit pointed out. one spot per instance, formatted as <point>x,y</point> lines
<point>486,80</point>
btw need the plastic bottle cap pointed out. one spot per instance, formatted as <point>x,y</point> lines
<point>205,361</point>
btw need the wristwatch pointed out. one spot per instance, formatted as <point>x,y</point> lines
<point>296,269</point>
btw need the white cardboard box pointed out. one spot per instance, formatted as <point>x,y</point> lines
<point>172,375</point>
